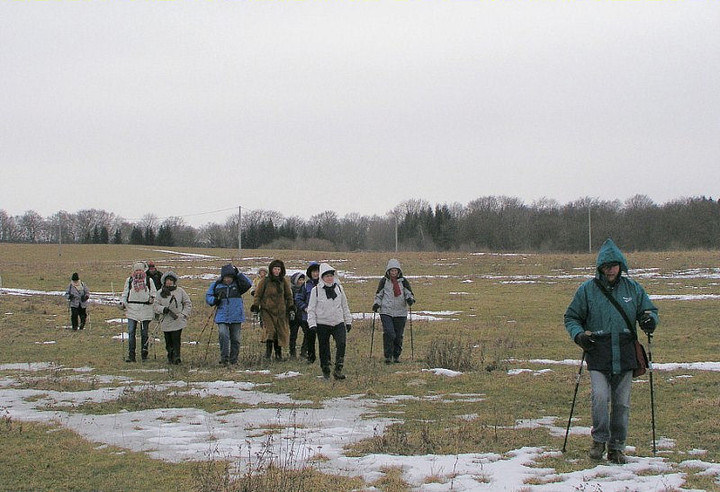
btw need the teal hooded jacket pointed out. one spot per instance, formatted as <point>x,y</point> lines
<point>613,349</point>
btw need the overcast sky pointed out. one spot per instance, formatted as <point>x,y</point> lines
<point>177,108</point>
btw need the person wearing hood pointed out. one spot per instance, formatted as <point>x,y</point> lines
<point>329,315</point>
<point>598,327</point>
<point>77,295</point>
<point>297,282</point>
<point>225,294</point>
<point>274,301</point>
<point>173,305</point>
<point>137,299</point>
<point>302,298</point>
<point>392,298</point>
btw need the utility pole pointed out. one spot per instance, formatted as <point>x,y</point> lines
<point>589,231</point>
<point>239,230</point>
<point>59,236</point>
<point>396,233</point>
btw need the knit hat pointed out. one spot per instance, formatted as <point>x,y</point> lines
<point>139,265</point>
<point>75,277</point>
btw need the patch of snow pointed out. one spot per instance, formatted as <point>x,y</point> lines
<point>288,374</point>
<point>443,372</point>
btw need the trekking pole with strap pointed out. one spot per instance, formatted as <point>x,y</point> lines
<point>572,407</point>
<point>202,331</point>
<point>372,334</point>
<point>652,393</point>
<point>158,323</point>
<point>412,343</point>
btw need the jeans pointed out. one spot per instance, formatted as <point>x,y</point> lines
<point>324,332</point>
<point>132,326</point>
<point>393,330</point>
<point>229,338</point>
<point>612,390</point>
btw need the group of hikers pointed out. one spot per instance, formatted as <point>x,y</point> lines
<point>601,319</point>
<point>313,303</point>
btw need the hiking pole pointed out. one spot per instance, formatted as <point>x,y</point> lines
<point>572,408</point>
<point>372,334</point>
<point>652,393</point>
<point>412,343</point>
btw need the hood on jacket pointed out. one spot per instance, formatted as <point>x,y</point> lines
<point>167,275</point>
<point>314,265</point>
<point>393,263</point>
<point>296,276</point>
<point>610,253</point>
<point>276,263</point>
<point>228,271</point>
<point>325,268</point>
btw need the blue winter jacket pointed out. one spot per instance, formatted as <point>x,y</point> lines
<point>230,308</point>
<point>613,349</point>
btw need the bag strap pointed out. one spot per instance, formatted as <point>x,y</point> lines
<point>614,302</point>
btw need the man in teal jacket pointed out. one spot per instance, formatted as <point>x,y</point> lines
<point>597,326</point>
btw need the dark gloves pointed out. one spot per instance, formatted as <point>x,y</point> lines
<point>217,301</point>
<point>375,308</point>
<point>584,340</point>
<point>221,294</point>
<point>166,310</point>
<point>254,308</point>
<point>647,323</point>
<point>410,301</point>
<point>85,298</point>
<point>348,327</point>
<point>313,329</point>
<point>71,297</point>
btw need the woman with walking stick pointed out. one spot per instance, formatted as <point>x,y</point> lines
<point>392,299</point>
<point>174,307</point>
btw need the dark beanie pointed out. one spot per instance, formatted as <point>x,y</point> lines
<point>75,277</point>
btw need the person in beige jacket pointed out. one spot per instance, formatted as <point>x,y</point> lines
<point>174,307</point>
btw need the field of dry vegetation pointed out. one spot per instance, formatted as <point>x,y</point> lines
<point>77,416</point>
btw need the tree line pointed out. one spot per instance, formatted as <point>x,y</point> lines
<point>492,223</point>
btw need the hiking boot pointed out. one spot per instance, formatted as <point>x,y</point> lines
<point>337,373</point>
<point>396,360</point>
<point>616,456</point>
<point>597,450</point>
<point>326,374</point>
<point>130,359</point>
<point>388,361</point>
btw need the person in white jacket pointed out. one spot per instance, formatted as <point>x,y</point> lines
<point>137,299</point>
<point>174,306</point>
<point>329,315</point>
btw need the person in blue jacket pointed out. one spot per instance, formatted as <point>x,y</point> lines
<point>226,295</point>
<point>599,328</point>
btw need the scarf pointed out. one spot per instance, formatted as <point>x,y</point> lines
<point>330,291</point>
<point>78,285</point>
<point>138,281</point>
<point>396,286</point>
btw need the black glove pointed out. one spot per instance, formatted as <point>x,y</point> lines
<point>166,310</point>
<point>84,298</point>
<point>410,301</point>
<point>647,323</point>
<point>217,301</point>
<point>71,297</point>
<point>348,327</point>
<point>375,308</point>
<point>221,294</point>
<point>313,329</point>
<point>254,308</point>
<point>584,340</point>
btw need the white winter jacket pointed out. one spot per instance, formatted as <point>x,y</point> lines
<point>138,304</point>
<point>324,311</point>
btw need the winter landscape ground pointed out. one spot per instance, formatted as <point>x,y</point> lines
<point>480,401</point>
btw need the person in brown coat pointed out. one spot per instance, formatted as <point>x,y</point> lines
<point>274,299</point>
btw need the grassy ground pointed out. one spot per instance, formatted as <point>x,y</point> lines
<point>499,320</point>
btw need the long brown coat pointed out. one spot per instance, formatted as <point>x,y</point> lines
<point>274,298</point>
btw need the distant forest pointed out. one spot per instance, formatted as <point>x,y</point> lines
<point>492,223</point>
